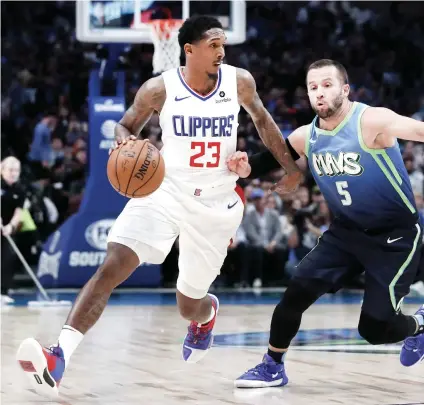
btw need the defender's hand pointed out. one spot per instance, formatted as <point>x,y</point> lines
<point>289,183</point>
<point>118,142</point>
<point>238,163</point>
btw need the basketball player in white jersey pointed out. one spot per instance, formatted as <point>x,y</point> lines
<point>198,106</point>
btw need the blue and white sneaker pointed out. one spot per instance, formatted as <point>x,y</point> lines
<point>412,350</point>
<point>265,374</point>
<point>199,338</point>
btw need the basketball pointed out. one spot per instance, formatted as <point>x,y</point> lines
<point>136,169</point>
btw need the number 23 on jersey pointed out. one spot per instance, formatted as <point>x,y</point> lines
<point>199,151</point>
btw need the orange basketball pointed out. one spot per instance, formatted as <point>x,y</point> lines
<point>136,169</point>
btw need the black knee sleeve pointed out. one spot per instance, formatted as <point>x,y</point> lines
<point>288,313</point>
<point>379,332</point>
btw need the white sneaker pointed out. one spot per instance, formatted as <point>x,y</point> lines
<point>5,299</point>
<point>44,367</point>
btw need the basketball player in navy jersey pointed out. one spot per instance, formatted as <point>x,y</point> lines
<point>354,156</point>
<point>197,200</point>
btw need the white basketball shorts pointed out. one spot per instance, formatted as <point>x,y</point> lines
<point>150,225</point>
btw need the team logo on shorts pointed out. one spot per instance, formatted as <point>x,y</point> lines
<point>197,192</point>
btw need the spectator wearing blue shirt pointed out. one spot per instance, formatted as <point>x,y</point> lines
<point>41,146</point>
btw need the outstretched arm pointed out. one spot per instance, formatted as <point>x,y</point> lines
<point>149,98</point>
<point>384,126</point>
<point>267,128</point>
<point>262,163</point>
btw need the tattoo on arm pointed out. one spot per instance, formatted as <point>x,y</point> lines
<point>149,98</point>
<point>267,128</point>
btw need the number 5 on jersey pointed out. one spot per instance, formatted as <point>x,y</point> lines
<point>341,186</point>
<point>200,148</point>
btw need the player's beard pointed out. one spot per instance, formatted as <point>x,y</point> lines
<point>213,76</point>
<point>332,108</point>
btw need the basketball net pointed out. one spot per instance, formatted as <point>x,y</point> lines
<point>165,40</point>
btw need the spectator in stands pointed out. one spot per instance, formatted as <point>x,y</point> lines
<point>303,212</point>
<point>267,247</point>
<point>41,150</point>
<point>419,200</point>
<point>415,176</point>
<point>236,266</point>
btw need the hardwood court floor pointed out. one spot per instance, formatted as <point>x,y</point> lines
<point>133,356</point>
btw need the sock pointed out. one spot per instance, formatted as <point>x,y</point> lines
<point>69,339</point>
<point>420,323</point>
<point>278,357</point>
<point>212,314</point>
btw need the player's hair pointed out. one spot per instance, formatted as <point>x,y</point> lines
<point>194,28</point>
<point>329,62</point>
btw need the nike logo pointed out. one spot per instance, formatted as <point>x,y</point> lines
<point>231,206</point>
<point>181,98</point>
<point>274,375</point>
<point>393,240</point>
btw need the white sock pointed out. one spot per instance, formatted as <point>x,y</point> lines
<point>210,316</point>
<point>69,339</point>
<point>420,322</point>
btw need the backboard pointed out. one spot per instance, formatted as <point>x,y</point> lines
<point>125,21</point>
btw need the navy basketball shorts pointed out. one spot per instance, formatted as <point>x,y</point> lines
<point>390,260</point>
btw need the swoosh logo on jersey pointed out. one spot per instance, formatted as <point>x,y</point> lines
<point>231,206</point>
<point>181,98</point>
<point>393,240</point>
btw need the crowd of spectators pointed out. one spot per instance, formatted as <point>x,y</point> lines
<point>44,110</point>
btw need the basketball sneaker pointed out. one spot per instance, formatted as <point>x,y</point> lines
<point>43,366</point>
<point>199,338</point>
<point>413,347</point>
<point>266,374</point>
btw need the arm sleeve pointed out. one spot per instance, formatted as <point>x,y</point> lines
<point>264,162</point>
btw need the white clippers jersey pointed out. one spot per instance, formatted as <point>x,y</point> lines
<point>200,132</point>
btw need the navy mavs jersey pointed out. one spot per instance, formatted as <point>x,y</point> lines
<point>364,188</point>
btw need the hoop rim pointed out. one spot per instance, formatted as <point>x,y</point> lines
<point>164,26</point>
<point>162,21</point>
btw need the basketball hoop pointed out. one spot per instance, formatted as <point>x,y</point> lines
<point>164,35</point>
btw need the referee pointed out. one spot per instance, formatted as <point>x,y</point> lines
<point>12,202</point>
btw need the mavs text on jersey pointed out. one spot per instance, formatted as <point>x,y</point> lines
<point>367,188</point>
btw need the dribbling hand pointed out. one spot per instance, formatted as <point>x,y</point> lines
<point>119,141</point>
<point>238,163</point>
